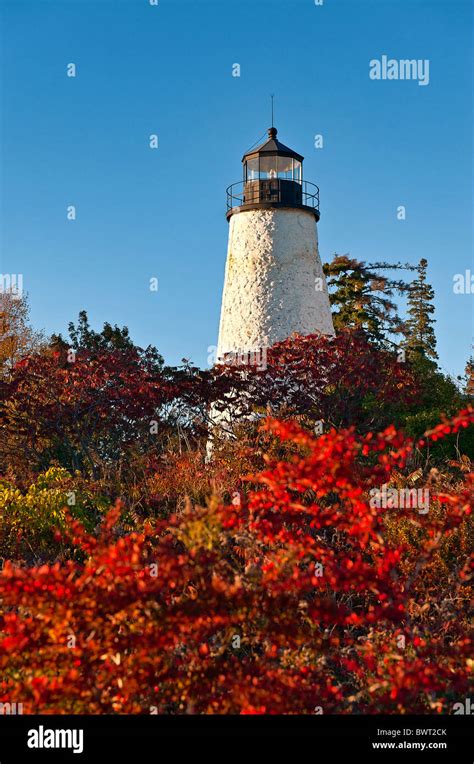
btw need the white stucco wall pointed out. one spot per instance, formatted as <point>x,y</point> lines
<point>270,278</point>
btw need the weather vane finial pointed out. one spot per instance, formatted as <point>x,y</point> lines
<point>272,96</point>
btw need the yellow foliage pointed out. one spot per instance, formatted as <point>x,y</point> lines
<point>29,520</point>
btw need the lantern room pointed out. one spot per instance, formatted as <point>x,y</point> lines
<point>272,160</point>
<point>272,177</point>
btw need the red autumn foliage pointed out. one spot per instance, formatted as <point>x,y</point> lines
<point>99,409</point>
<point>294,600</point>
<point>328,378</point>
<point>84,411</point>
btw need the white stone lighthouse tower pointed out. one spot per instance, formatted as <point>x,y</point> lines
<point>274,283</point>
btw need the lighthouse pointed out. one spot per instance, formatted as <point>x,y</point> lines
<point>274,284</point>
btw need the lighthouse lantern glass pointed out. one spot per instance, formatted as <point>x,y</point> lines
<point>273,166</point>
<point>268,167</point>
<point>251,169</point>
<point>289,168</point>
<point>265,167</point>
<point>285,167</point>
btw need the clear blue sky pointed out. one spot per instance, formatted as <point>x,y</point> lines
<point>168,70</point>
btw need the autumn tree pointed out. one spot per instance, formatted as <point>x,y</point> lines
<point>341,381</point>
<point>17,337</point>
<point>85,410</point>
<point>470,377</point>
<point>418,329</point>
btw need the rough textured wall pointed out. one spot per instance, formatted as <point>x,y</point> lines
<point>270,286</point>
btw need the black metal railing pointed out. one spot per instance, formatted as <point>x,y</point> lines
<point>273,191</point>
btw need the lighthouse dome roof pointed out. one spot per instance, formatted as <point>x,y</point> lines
<point>272,147</point>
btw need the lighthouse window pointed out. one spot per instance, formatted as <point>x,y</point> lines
<point>268,167</point>
<point>273,166</point>
<point>285,168</point>
<point>252,169</point>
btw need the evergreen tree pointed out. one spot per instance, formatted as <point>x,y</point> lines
<point>420,338</point>
<point>111,338</point>
<point>362,295</point>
